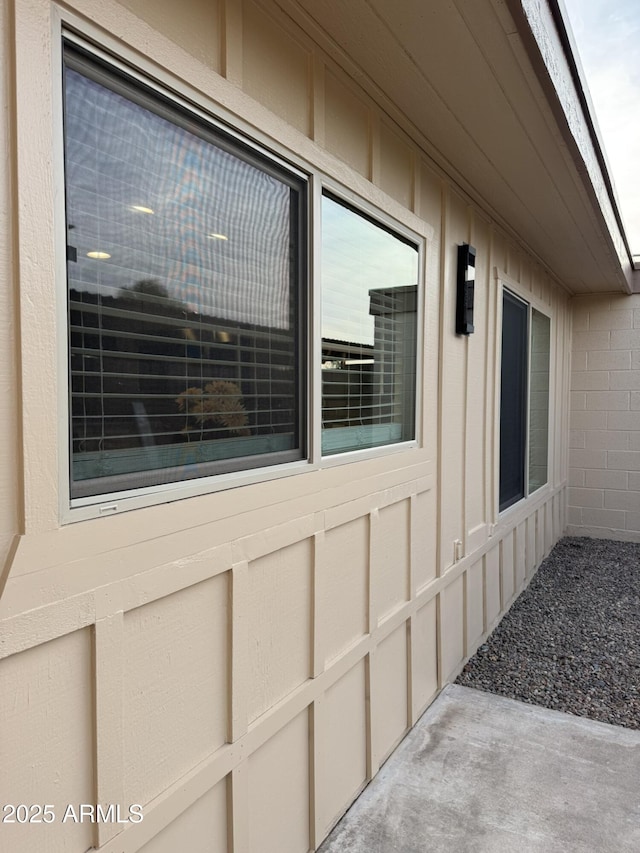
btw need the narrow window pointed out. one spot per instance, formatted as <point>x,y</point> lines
<point>524,400</point>
<point>513,400</point>
<point>539,400</point>
<point>369,332</point>
<point>185,303</point>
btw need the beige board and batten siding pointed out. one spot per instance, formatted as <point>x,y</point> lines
<point>240,663</point>
<point>604,474</point>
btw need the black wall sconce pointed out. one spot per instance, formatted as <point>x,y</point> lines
<point>466,285</point>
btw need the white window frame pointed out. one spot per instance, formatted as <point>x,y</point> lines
<point>359,206</point>
<point>367,199</point>
<point>532,301</point>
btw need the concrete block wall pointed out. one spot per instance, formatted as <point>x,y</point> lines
<point>604,456</point>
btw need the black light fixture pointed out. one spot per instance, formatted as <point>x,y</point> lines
<point>466,285</point>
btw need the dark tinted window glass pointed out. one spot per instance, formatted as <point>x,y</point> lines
<point>513,400</point>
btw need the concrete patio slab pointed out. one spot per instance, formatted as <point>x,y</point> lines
<point>487,774</point>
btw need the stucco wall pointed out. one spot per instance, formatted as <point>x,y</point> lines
<point>240,663</point>
<point>604,498</point>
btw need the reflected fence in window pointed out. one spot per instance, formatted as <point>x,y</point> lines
<point>369,293</point>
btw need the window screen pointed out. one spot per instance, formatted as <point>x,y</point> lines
<point>186,318</point>
<point>524,399</point>
<point>513,399</point>
<point>539,400</point>
<point>369,332</point>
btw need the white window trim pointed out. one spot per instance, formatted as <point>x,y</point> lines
<point>505,282</point>
<point>358,205</point>
<point>367,198</point>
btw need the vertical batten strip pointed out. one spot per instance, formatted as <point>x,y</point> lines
<point>501,585</point>
<point>531,545</point>
<point>490,386</point>
<point>485,618</point>
<point>414,201</point>
<point>318,100</point>
<point>311,82</point>
<point>317,730</point>
<point>373,753</point>
<point>232,41</point>
<point>548,527</point>
<point>541,534</point>
<point>374,148</point>
<point>414,554</point>
<point>238,809</point>
<point>413,711</point>
<point>239,642</point>
<point>465,615</point>
<point>374,535</point>
<point>412,662</point>
<point>318,643</point>
<point>522,554</point>
<point>439,660</point>
<point>441,549</point>
<point>108,670</point>
<point>464,527</point>
<point>485,287</point>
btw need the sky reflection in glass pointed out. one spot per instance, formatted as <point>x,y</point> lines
<point>358,256</point>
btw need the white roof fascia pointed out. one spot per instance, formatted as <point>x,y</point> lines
<point>548,22</point>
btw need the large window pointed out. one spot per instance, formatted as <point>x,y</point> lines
<point>187,299</point>
<point>185,309</point>
<point>524,400</point>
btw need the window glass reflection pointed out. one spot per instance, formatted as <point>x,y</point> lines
<point>182,280</point>
<point>369,329</point>
<point>168,205</point>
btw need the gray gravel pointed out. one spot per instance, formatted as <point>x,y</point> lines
<point>571,641</point>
